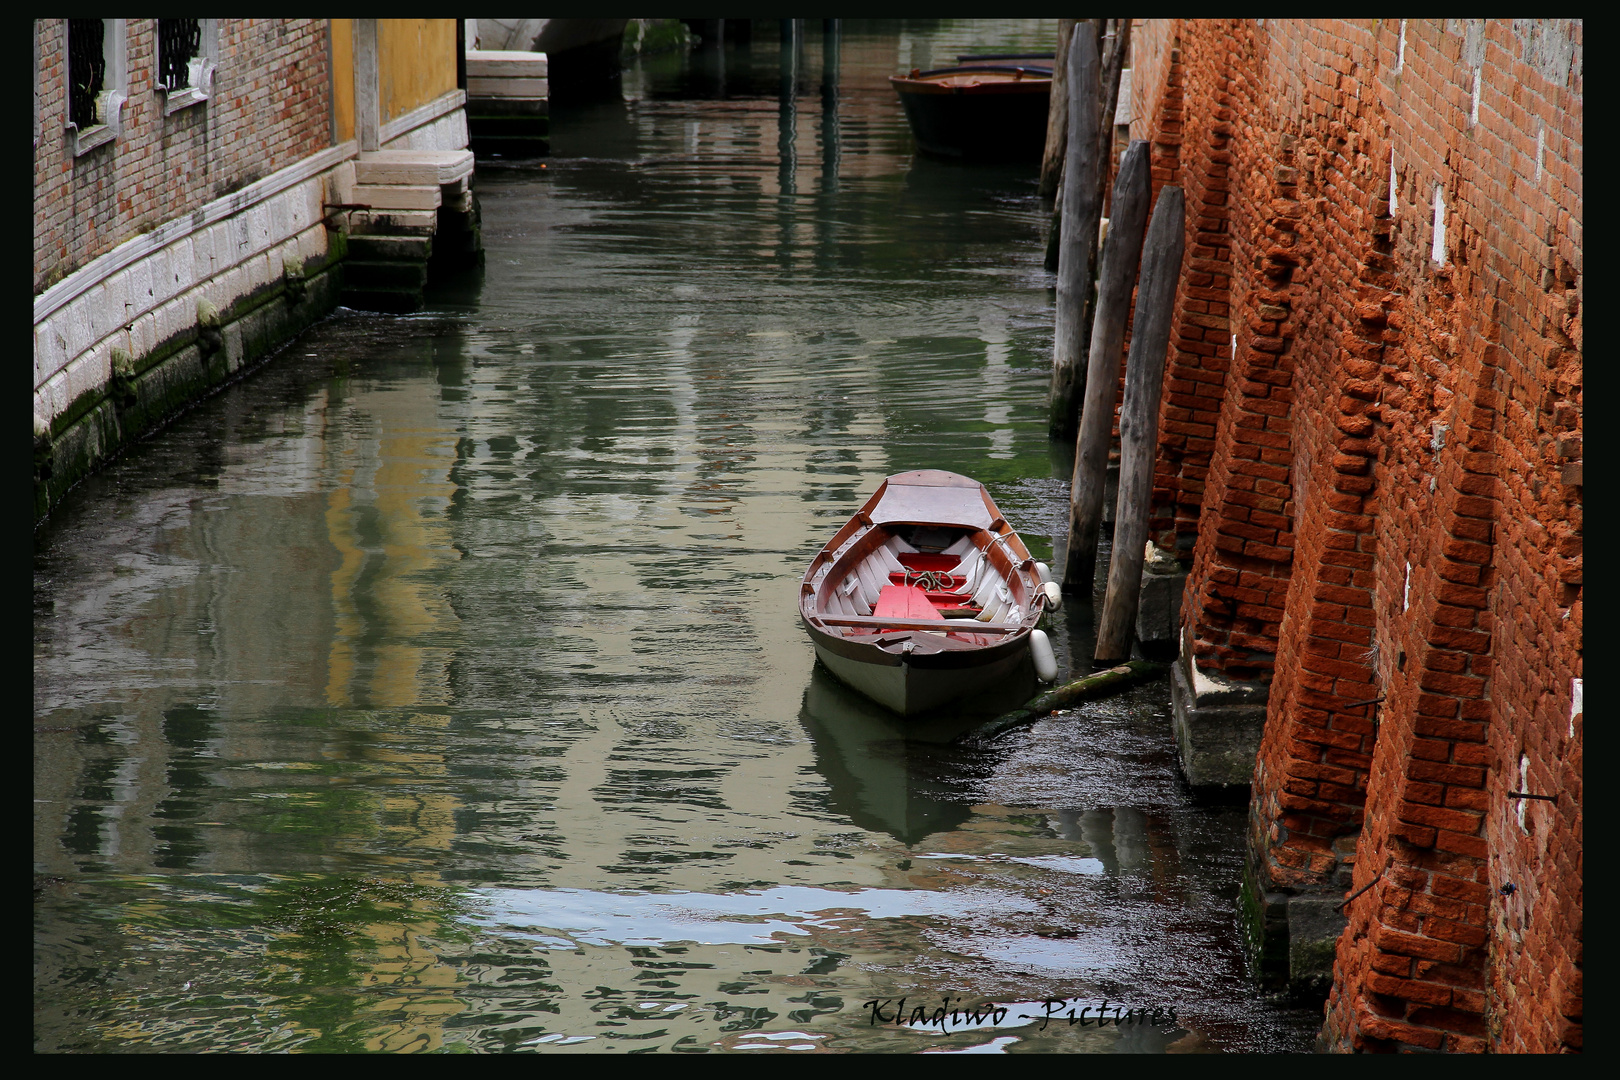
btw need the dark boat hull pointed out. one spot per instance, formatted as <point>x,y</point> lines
<point>996,122</point>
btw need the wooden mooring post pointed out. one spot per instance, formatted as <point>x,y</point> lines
<point>1122,252</point>
<point>1139,422</point>
<point>1078,244</point>
<point>1057,114</point>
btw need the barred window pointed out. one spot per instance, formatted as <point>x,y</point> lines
<point>179,42</point>
<point>87,69</point>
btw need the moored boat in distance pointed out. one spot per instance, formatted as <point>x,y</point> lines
<point>926,596</point>
<point>987,108</point>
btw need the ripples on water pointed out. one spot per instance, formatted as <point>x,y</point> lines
<point>439,687</point>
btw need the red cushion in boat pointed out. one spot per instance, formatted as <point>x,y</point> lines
<point>921,560</point>
<point>905,602</point>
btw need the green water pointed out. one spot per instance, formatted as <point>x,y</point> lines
<point>440,687</point>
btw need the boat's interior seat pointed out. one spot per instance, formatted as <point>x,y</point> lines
<point>905,602</point>
<point>858,593</point>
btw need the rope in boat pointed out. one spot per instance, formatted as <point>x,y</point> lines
<point>931,580</point>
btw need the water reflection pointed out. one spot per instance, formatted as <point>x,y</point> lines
<point>878,766</point>
<point>439,687</point>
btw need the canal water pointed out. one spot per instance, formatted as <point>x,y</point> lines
<point>439,687</point>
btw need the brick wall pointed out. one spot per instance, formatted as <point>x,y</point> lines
<point>269,108</point>
<point>1382,487</point>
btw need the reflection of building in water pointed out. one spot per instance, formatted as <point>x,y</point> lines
<point>313,600</point>
<point>386,517</point>
<point>305,595</point>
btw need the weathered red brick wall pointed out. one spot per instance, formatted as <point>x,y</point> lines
<point>1392,505</point>
<point>270,107</point>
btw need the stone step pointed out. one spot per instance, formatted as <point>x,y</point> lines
<point>370,274</point>
<point>412,167</point>
<point>392,222</point>
<point>500,107</point>
<point>509,126</point>
<point>397,196</point>
<point>383,248</point>
<point>484,87</point>
<point>504,63</point>
<point>394,301</point>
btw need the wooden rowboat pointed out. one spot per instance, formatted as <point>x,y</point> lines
<point>926,596</point>
<point>984,111</point>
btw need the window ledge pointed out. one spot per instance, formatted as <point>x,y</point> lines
<point>87,139</point>
<point>110,105</point>
<point>198,89</point>
<point>183,98</point>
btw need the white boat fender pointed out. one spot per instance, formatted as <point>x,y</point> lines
<point>1044,571</point>
<point>1053,594</point>
<point>1040,650</point>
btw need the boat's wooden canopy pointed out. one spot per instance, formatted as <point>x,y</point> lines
<point>932,497</point>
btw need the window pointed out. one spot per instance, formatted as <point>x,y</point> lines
<point>185,74</point>
<point>87,70</point>
<point>95,77</point>
<point>178,41</point>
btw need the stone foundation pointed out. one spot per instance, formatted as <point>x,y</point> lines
<point>177,373</point>
<point>1291,937</point>
<point>1217,724</point>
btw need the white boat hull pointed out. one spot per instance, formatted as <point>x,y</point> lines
<point>910,690</point>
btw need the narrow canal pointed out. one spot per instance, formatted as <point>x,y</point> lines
<point>440,686</point>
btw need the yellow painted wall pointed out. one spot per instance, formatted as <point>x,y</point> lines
<point>416,62</point>
<point>342,80</point>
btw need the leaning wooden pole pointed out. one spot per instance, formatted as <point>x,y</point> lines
<point>1089,688</point>
<point>1122,252</point>
<point>1139,422</point>
<point>1114,60</point>
<point>1057,113</point>
<point>1078,246</point>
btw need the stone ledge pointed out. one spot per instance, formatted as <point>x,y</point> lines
<point>428,167</point>
<point>505,63</point>
<point>1217,724</point>
<point>185,226</point>
<point>1158,608</point>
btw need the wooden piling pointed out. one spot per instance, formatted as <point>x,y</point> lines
<point>1122,252</point>
<point>1139,421</point>
<point>1057,113</point>
<point>1078,244</point>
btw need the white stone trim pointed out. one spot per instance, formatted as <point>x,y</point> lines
<point>132,251</point>
<point>93,136</point>
<point>421,117</point>
<point>150,290</point>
